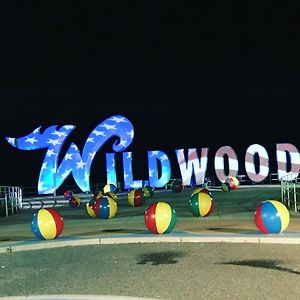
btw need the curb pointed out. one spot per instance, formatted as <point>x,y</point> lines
<point>173,237</point>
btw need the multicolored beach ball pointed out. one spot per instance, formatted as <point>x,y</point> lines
<point>68,195</point>
<point>89,207</point>
<point>47,224</point>
<point>177,186</point>
<point>233,182</point>
<point>75,201</point>
<point>160,218</point>
<point>109,188</point>
<point>97,194</point>
<point>136,198</point>
<point>200,190</point>
<point>148,191</point>
<point>201,204</point>
<point>105,207</point>
<point>271,216</point>
<point>225,186</point>
<point>112,195</point>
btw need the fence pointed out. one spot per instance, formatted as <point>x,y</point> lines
<point>290,194</point>
<point>10,199</point>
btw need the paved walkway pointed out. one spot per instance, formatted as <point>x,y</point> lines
<point>172,237</point>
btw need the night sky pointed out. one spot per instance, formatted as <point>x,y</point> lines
<point>187,74</point>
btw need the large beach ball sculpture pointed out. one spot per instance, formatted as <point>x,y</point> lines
<point>160,218</point>
<point>136,198</point>
<point>201,204</point>
<point>109,188</point>
<point>271,216</point>
<point>177,186</point>
<point>75,201</point>
<point>47,224</point>
<point>105,207</point>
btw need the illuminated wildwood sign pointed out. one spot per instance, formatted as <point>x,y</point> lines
<point>192,162</point>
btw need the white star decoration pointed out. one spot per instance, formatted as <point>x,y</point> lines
<point>91,140</point>
<point>118,119</point>
<point>68,156</point>
<point>154,153</point>
<point>107,126</point>
<point>164,157</point>
<point>80,164</point>
<point>59,134</point>
<point>68,127</point>
<point>96,132</point>
<point>130,133</point>
<point>53,142</point>
<point>123,143</point>
<point>31,140</point>
<point>50,152</point>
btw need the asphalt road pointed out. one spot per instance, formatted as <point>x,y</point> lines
<point>161,271</point>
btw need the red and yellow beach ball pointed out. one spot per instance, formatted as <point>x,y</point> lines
<point>47,224</point>
<point>160,217</point>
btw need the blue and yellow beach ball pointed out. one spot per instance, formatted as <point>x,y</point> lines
<point>201,204</point>
<point>160,217</point>
<point>47,224</point>
<point>105,207</point>
<point>109,188</point>
<point>271,216</point>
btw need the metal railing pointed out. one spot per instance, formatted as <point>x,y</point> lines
<point>10,199</point>
<point>290,187</point>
